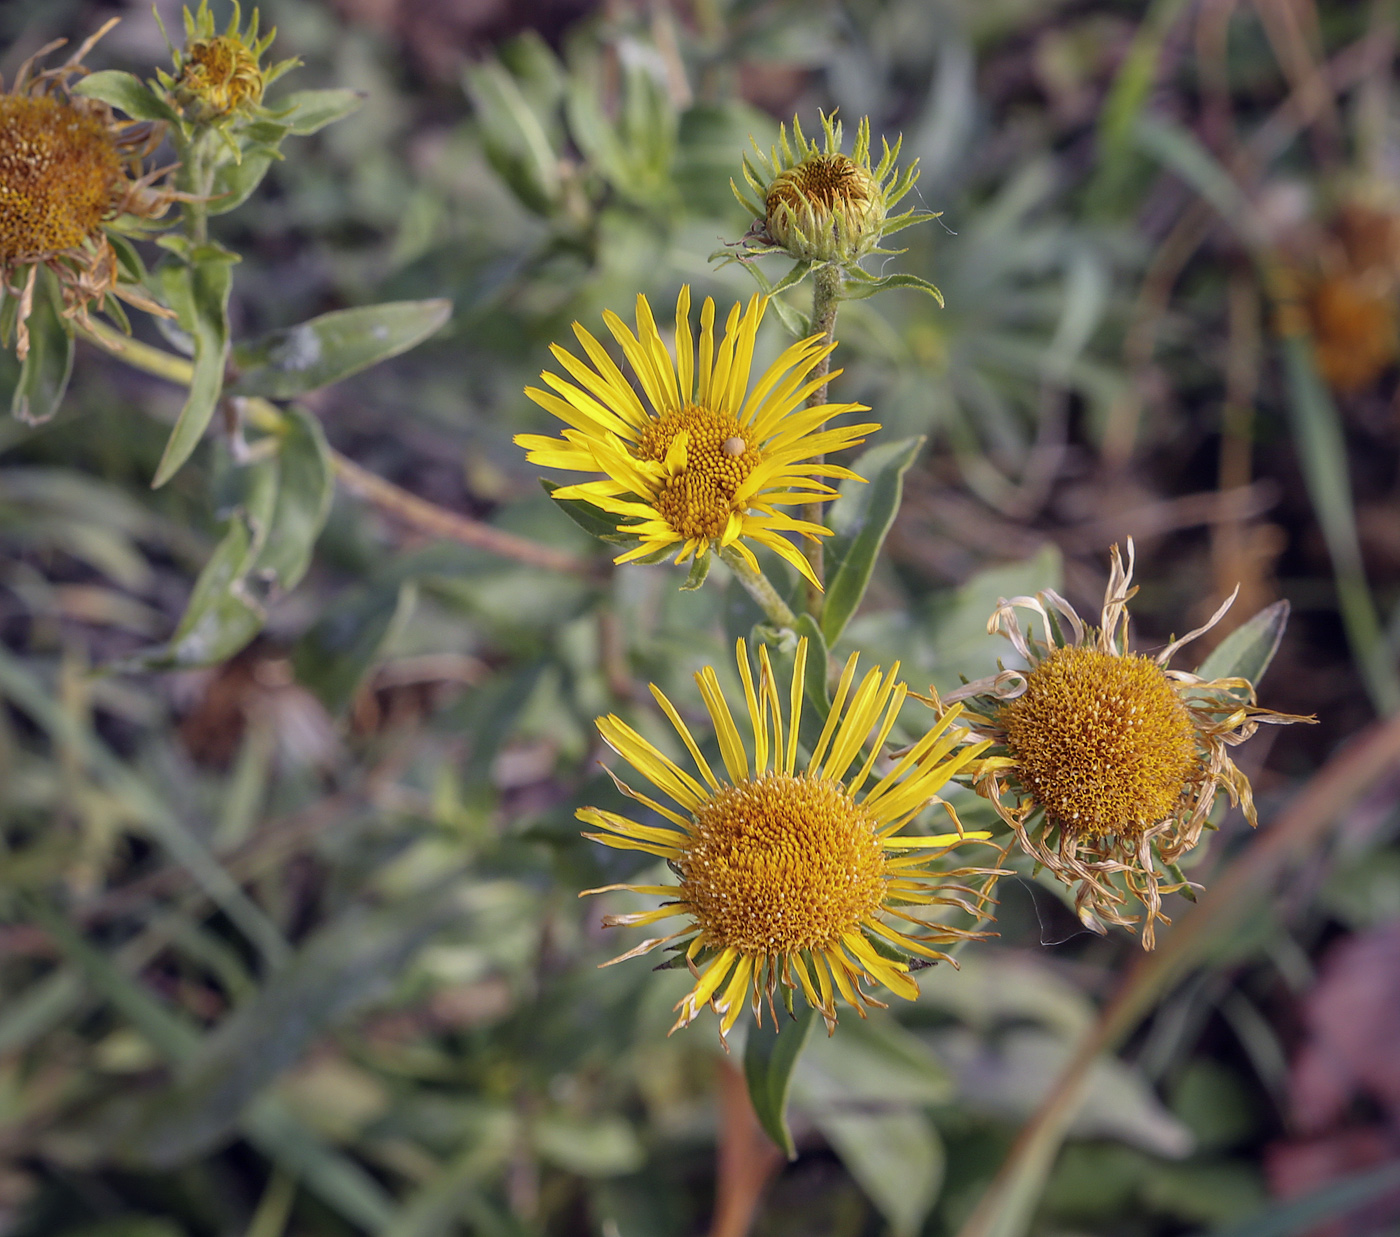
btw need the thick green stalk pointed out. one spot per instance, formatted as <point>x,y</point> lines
<point>826,296</point>
<point>760,588</point>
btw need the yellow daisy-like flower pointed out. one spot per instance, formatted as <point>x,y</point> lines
<point>788,875</point>
<point>705,461</point>
<point>1112,761</point>
<point>68,169</point>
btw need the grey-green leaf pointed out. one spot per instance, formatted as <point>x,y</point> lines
<point>1247,651</point>
<point>768,1064</point>
<point>334,657</point>
<point>43,377</point>
<point>305,489</point>
<point>292,362</point>
<point>198,292</point>
<point>861,519</point>
<point>128,93</point>
<point>308,111</point>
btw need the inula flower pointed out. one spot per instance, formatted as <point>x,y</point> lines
<point>69,171</point>
<point>1107,762</point>
<point>706,461</point>
<point>804,879</point>
<point>820,205</point>
<point>221,77</point>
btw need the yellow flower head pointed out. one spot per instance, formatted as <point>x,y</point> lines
<point>1108,762</point>
<point>220,77</point>
<point>820,205</point>
<point>68,168</point>
<point>789,875</point>
<point>705,461</point>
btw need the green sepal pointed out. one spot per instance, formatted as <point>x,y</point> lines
<point>699,569</point>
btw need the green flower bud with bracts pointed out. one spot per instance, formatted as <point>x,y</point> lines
<point>823,207</point>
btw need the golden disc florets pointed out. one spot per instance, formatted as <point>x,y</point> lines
<point>1107,762</point>
<point>778,864</point>
<point>1101,741</point>
<point>59,172</point>
<point>698,497</point>
<point>219,76</point>
<point>805,880</point>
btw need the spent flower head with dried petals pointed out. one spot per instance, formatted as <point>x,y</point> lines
<point>711,461</point>
<point>72,180</point>
<point>790,876</point>
<point>1107,762</point>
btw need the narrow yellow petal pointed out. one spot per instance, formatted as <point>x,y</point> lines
<point>685,348</point>
<point>684,731</point>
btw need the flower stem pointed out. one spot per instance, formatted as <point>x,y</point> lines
<point>760,588</point>
<point>826,296</point>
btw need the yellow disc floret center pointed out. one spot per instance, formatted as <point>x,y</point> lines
<point>1101,742</point>
<point>826,180</point>
<point>59,172</point>
<point>222,73</point>
<point>706,457</point>
<point>780,864</point>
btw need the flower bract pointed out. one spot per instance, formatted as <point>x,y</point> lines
<point>220,77</point>
<point>702,458</point>
<point>1107,762</point>
<point>796,876</point>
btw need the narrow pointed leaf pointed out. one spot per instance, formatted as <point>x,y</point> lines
<point>1247,651</point>
<point>43,377</point>
<point>304,358</point>
<point>127,93</point>
<point>768,1064</point>
<point>309,111</point>
<point>861,519</point>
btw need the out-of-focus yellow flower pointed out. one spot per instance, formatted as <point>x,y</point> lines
<point>706,461</point>
<point>1107,763</point>
<point>790,877</point>
<point>68,169</point>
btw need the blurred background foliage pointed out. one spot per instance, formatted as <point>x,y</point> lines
<point>291,943</point>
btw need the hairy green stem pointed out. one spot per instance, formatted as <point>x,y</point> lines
<point>760,588</point>
<point>826,296</point>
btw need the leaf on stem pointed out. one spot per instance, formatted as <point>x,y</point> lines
<point>769,1059</point>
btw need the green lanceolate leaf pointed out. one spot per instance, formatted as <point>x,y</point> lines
<point>44,374</point>
<point>306,486</point>
<point>699,569</point>
<point>768,1064</point>
<point>861,519</point>
<point>127,93</point>
<point>860,285</point>
<point>235,180</point>
<point>198,292</point>
<point>336,655</point>
<point>309,111</point>
<point>304,358</point>
<point>593,520</point>
<point>1247,651</point>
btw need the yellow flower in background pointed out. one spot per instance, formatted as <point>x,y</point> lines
<point>1112,762</point>
<point>68,168</point>
<point>790,875</point>
<point>707,461</point>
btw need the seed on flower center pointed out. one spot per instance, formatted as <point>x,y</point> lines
<point>779,864</point>
<point>826,180</point>
<point>698,497</point>
<point>59,171</point>
<point>1101,742</point>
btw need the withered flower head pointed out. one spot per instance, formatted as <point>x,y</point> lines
<point>70,171</point>
<point>1107,763</point>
